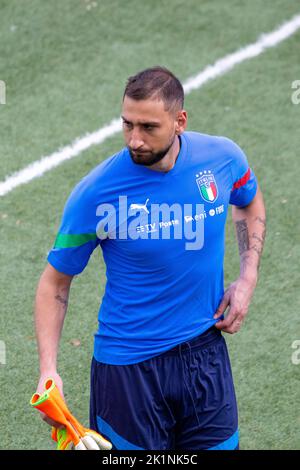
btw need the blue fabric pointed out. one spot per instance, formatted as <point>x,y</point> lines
<point>159,291</point>
<point>229,444</point>
<point>118,441</point>
<point>181,399</point>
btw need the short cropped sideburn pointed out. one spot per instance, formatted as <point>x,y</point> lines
<point>156,83</point>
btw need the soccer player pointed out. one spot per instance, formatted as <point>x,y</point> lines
<point>160,375</point>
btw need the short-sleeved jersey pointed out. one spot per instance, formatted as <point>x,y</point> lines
<point>162,236</point>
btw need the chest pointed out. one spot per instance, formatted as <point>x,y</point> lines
<point>187,209</point>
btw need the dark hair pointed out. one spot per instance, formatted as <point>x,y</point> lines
<point>157,83</point>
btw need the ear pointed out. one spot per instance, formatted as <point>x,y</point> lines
<point>181,122</point>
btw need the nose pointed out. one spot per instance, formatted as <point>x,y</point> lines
<point>135,140</point>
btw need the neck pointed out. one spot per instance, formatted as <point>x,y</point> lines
<point>169,160</point>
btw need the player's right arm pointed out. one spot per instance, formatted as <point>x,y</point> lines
<point>50,309</point>
<point>75,241</point>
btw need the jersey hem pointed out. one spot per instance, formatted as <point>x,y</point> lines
<point>114,359</point>
<point>62,267</point>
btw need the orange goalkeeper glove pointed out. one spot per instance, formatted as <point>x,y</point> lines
<point>74,435</point>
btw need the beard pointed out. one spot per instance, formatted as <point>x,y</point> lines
<point>149,158</point>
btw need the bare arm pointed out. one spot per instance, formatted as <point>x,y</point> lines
<point>250,222</point>
<point>50,308</point>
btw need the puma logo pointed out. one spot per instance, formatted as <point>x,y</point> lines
<point>138,207</point>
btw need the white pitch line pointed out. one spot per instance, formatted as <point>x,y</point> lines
<point>220,67</point>
<point>266,41</point>
<point>39,167</point>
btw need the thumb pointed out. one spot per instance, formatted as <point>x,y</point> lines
<point>223,305</point>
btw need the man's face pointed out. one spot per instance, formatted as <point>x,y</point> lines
<point>149,130</point>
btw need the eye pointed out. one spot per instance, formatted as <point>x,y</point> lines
<point>127,124</point>
<point>148,127</point>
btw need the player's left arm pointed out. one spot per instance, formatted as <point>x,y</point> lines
<point>250,223</point>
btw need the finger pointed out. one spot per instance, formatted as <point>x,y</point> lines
<point>101,441</point>
<point>80,446</point>
<point>228,320</point>
<point>234,327</point>
<point>90,443</point>
<point>223,305</point>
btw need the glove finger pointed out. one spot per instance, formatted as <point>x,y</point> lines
<point>80,446</point>
<point>90,443</point>
<point>102,443</point>
<point>70,446</point>
<point>65,445</point>
<point>63,439</point>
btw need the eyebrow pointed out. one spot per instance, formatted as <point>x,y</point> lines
<point>143,123</point>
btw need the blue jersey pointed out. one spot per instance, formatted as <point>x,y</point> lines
<point>162,236</point>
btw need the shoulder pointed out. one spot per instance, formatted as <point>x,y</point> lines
<point>221,143</point>
<point>215,148</point>
<point>102,171</point>
<point>89,187</point>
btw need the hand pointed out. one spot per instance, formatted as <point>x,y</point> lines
<point>94,441</point>
<point>40,389</point>
<point>237,297</point>
<point>90,441</point>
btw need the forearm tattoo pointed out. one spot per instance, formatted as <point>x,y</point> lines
<point>254,241</point>
<point>259,239</point>
<point>242,235</point>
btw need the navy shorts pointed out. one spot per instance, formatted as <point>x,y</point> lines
<point>182,399</point>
